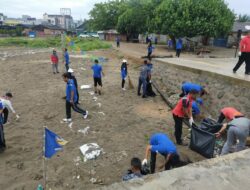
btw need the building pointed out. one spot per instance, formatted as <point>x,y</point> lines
<point>2,18</point>
<point>63,20</point>
<point>111,35</point>
<point>44,30</point>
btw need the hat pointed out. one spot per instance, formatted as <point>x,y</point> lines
<point>70,70</point>
<point>124,61</point>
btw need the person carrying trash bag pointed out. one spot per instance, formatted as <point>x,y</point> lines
<point>237,130</point>
<point>161,144</point>
<point>229,113</point>
<point>2,139</point>
<point>183,109</point>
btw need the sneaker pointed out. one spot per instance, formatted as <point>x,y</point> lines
<point>139,94</point>
<point>67,120</point>
<point>234,71</point>
<point>144,96</point>
<point>95,92</point>
<point>86,115</point>
<point>123,89</point>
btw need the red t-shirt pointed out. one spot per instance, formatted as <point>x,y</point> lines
<point>230,113</point>
<point>245,44</point>
<point>54,59</point>
<point>185,102</point>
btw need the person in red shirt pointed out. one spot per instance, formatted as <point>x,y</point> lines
<point>54,62</point>
<point>183,109</point>
<point>229,113</point>
<point>244,53</point>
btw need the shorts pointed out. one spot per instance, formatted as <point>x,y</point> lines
<point>97,81</point>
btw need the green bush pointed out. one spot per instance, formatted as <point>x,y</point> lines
<point>83,44</point>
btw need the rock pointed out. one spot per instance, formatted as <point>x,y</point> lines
<point>220,94</point>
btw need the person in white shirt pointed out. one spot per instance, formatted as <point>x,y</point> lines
<point>7,106</point>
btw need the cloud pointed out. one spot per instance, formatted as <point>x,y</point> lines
<point>79,8</point>
<point>36,8</point>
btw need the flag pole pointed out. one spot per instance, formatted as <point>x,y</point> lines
<point>44,162</point>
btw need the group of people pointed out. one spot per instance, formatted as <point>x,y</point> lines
<point>236,129</point>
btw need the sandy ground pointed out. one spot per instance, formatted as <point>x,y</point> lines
<point>122,131</point>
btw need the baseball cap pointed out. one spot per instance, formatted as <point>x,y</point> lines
<point>70,70</point>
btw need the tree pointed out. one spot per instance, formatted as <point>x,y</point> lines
<point>190,18</point>
<point>104,16</point>
<point>243,18</point>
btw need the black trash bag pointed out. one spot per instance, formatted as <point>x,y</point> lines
<point>145,169</point>
<point>202,142</point>
<point>149,89</point>
<point>210,125</point>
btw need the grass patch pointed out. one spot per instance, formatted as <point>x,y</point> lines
<point>83,44</point>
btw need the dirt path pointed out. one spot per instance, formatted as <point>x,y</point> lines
<point>122,131</point>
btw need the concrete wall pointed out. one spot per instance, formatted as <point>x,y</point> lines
<point>224,91</point>
<point>229,172</point>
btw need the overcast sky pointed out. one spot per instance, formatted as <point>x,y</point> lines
<point>79,8</point>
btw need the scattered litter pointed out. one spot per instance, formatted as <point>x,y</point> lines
<point>101,113</point>
<point>95,98</point>
<point>70,125</point>
<point>83,69</point>
<point>86,86</point>
<point>93,180</point>
<point>99,104</point>
<point>90,151</point>
<point>78,177</point>
<point>92,93</point>
<point>84,131</point>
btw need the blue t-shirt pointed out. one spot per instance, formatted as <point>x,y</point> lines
<point>179,44</point>
<point>160,143</point>
<point>97,71</point>
<point>195,108</point>
<point>188,86</point>
<point>69,88</point>
<point>150,49</point>
<point>66,57</point>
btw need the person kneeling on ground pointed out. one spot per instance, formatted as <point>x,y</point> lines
<point>135,171</point>
<point>181,110</point>
<point>71,99</point>
<point>97,75</point>
<point>237,130</point>
<point>72,76</point>
<point>229,113</point>
<point>7,106</point>
<point>188,86</point>
<point>160,143</point>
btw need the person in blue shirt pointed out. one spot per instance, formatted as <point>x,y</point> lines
<point>161,144</point>
<point>188,86</point>
<point>135,171</point>
<point>150,49</point>
<point>196,107</point>
<point>2,139</point>
<point>178,47</point>
<point>72,76</point>
<point>97,75</point>
<point>66,59</point>
<point>71,99</point>
<point>124,72</point>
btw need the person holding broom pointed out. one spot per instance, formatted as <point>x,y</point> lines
<point>124,72</point>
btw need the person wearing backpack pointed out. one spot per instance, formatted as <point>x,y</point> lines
<point>183,109</point>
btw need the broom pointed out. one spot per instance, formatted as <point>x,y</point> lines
<point>130,84</point>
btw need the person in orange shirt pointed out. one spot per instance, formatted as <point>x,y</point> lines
<point>183,109</point>
<point>229,113</point>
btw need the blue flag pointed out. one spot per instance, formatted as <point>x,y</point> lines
<point>53,143</point>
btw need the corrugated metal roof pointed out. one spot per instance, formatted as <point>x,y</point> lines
<point>240,26</point>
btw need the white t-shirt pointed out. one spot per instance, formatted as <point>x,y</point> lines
<point>7,104</point>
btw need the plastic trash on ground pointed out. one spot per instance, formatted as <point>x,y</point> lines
<point>84,131</point>
<point>90,151</point>
<point>83,87</point>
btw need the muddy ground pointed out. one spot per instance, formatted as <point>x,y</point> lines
<point>122,131</point>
